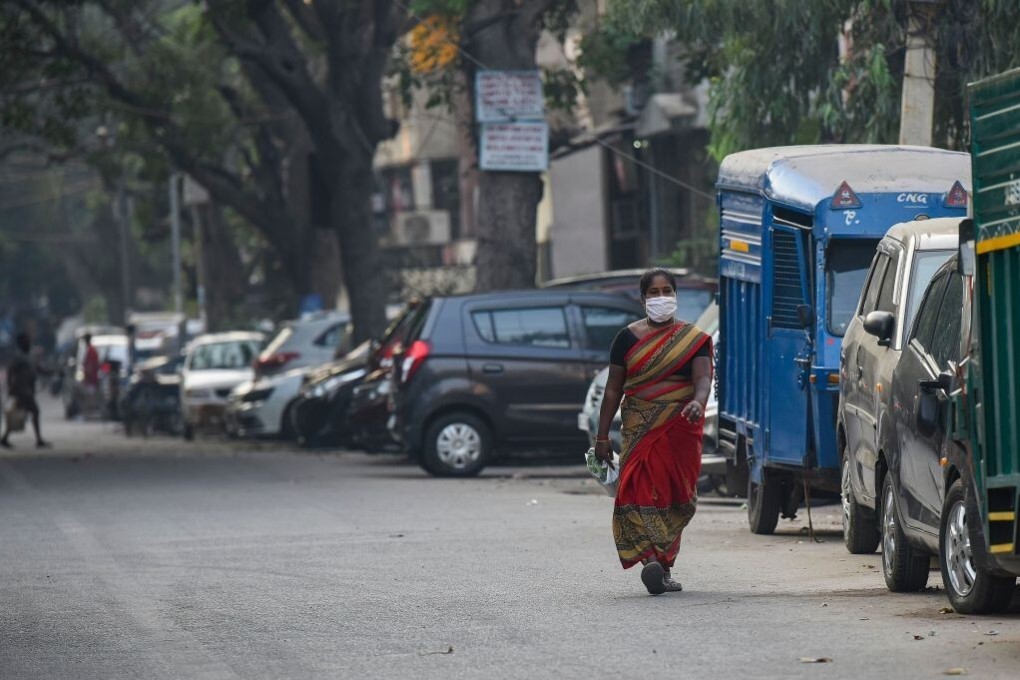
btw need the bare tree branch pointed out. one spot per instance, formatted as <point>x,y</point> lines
<point>305,17</point>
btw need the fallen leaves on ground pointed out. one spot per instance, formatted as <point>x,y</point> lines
<point>448,650</point>
<point>956,671</point>
<point>815,659</point>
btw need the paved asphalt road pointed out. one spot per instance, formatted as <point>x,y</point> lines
<point>161,559</point>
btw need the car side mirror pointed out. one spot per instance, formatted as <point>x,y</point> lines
<point>880,324</point>
<point>806,316</point>
<point>928,403</point>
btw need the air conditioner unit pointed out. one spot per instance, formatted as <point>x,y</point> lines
<point>422,227</point>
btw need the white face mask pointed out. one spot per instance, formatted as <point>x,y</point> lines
<point>661,309</point>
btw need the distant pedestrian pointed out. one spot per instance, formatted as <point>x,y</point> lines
<point>132,348</point>
<point>90,373</point>
<point>21,377</point>
<point>664,368</point>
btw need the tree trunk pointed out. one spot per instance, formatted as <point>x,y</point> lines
<point>351,215</point>
<point>225,285</point>
<point>326,272</point>
<point>507,251</point>
<point>503,34</point>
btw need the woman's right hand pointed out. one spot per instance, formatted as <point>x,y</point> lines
<point>604,452</point>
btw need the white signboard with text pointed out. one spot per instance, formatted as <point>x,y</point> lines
<point>514,147</point>
<point>506,96</point>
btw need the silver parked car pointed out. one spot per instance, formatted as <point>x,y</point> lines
<point>310,341</point>
<point>905,261</point>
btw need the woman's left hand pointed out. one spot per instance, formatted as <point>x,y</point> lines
<point>694,411</point>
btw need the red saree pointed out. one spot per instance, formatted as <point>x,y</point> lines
<point>661,458</point>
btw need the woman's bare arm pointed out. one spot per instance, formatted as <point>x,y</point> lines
<point>611,399</point>
<point>701,376</point>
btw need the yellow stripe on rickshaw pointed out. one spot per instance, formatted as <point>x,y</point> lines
<point>1008,516</point>
<point>1000,548</point>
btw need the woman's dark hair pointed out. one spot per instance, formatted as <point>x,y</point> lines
<point>646,278</point>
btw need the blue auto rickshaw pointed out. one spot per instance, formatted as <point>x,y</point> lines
<point>798,231</point>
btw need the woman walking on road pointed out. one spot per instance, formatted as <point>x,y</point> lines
<point>21,376</point>
<point>664,368</point>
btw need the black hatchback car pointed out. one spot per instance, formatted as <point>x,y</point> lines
<point>482,374</point>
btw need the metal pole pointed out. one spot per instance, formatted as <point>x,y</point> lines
<point>175,238</point>
<point>654,208</point>
<point>199,237</point>
<point>122,227</point>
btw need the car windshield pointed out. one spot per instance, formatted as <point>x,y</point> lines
<point>926,263</point>
<point>230,355</point>
<point>691,303</point>
<point>846,269</point>
<point>708,322</point>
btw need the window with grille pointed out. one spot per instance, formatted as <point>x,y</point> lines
<point>787,292</point>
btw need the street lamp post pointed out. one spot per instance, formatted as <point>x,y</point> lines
<point>175,237</point>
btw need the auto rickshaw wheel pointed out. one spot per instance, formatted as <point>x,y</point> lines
<point>764,502</point>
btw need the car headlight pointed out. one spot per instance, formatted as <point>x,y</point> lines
<point>196,393</point>
<point>257,395</point>
<point>327,387</point>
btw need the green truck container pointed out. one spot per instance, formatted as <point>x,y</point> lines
<point>988,409</point>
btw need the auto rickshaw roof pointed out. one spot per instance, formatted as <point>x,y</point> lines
<point>804,176</point>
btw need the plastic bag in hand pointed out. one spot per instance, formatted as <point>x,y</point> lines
<point>603,474</point>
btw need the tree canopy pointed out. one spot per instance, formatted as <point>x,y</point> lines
<point>790,71</point>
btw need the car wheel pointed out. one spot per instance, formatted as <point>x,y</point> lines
<point>456,445</point>
<point>174,424</point>
<point>860,527</point>
<point>970,591</point>
<point>904,566</point>
<point>764,501</point>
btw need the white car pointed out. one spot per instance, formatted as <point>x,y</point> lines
<point>260,407</point>
<point>213,366</point>
<point>310,341</point>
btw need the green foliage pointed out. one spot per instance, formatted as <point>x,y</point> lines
<point>444,7</point>
<point>561,86</point>
<point>700,253</point>
<point>776,74</point>
<point>604,52</point>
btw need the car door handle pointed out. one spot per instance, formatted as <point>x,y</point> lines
<point>492,368</point>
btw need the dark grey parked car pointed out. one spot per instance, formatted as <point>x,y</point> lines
<point>905,261</point>
<point>483,374</point>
